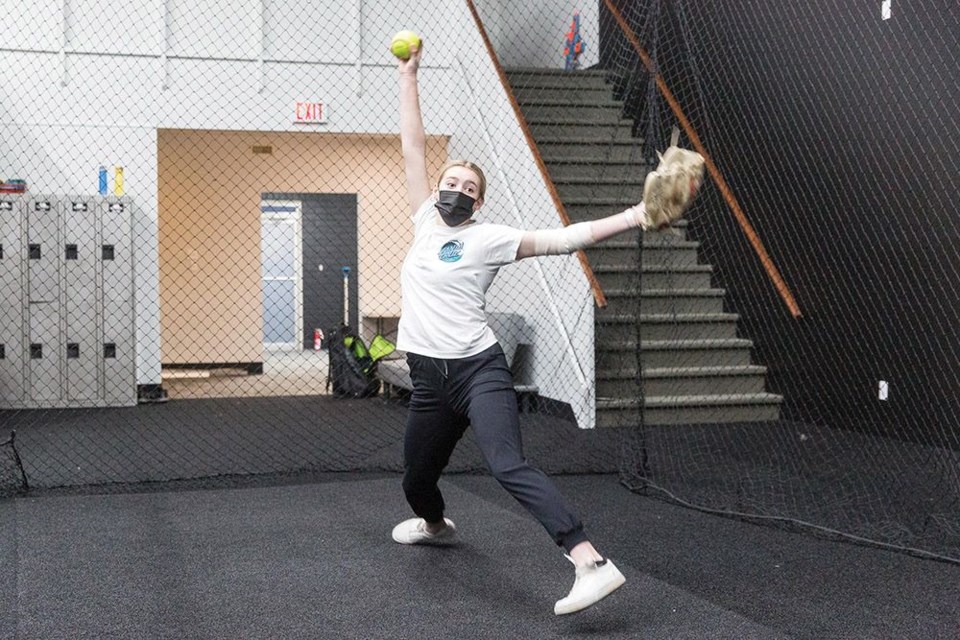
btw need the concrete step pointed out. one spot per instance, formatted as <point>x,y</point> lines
<point>662,301</point>
<point>615,329</point>
<point>608,111</point>
<point>578,168</point>
<point>659,354</point>
<point>556,72</point>
<point>571,128</point>
<point>600,188</point>
<point>658,249</point>
<point>593,155</point>
<point>590,147</point>
<point>655,239</point>
<point>527,93</point>
<point>588,209</point>
<point>541,78</point>
<point>614,203</point>
<point>680,381</point>
<point>653,276</point>
<point>702,409</point>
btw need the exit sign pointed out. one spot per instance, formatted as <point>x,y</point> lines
<point>309,113</point>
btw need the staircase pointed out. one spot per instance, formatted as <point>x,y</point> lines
<point>695,368</point>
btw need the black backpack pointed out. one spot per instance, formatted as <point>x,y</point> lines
<point>352,370</point>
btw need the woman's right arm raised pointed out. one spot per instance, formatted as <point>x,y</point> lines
<point>412,136</point>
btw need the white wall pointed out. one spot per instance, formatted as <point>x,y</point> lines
<point>552,294</point>
<point>62,159</point>
<point>88,82</point>
<point>532,33</point>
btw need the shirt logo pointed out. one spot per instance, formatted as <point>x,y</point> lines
<point>452,251</point>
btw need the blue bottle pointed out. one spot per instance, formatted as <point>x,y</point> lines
<point>103,181</point>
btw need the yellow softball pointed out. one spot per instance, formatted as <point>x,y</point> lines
<point>402,42</point>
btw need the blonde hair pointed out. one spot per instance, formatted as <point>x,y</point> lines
<point>482,187</point>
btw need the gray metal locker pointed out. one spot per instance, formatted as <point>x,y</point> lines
<point>12,253</point>
<point>116,272</point>
<point>45,354</point>
<point>45,350</point>
<point>81,341</point>
<point>67,334</point>
<point>43,250</point>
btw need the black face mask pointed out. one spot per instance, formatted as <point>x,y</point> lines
<point>455,207</point>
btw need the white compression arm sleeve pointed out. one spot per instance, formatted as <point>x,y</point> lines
<point>552,242</point>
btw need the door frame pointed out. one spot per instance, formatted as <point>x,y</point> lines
<point>286,211</point>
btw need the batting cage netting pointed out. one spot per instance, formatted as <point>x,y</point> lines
<point>204,215</point>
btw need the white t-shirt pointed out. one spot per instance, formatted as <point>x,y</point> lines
<point>444,281</point>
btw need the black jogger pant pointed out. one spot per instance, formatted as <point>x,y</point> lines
<point>449,395</point>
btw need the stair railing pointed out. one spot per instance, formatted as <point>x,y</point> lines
<point>598,296</point>
<point>772,272</point>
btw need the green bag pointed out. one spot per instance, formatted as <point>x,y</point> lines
<point>380,347</point>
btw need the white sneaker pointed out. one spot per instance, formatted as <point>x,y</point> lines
<point>594,583</point>
<point>414,531</point>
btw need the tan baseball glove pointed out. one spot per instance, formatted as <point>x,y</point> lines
<point>669,190</point>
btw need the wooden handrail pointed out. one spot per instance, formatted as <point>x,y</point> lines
<point>725,190</point>
<point>598,295</point>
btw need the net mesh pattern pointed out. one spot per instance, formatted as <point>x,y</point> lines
<point>195,197</point>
